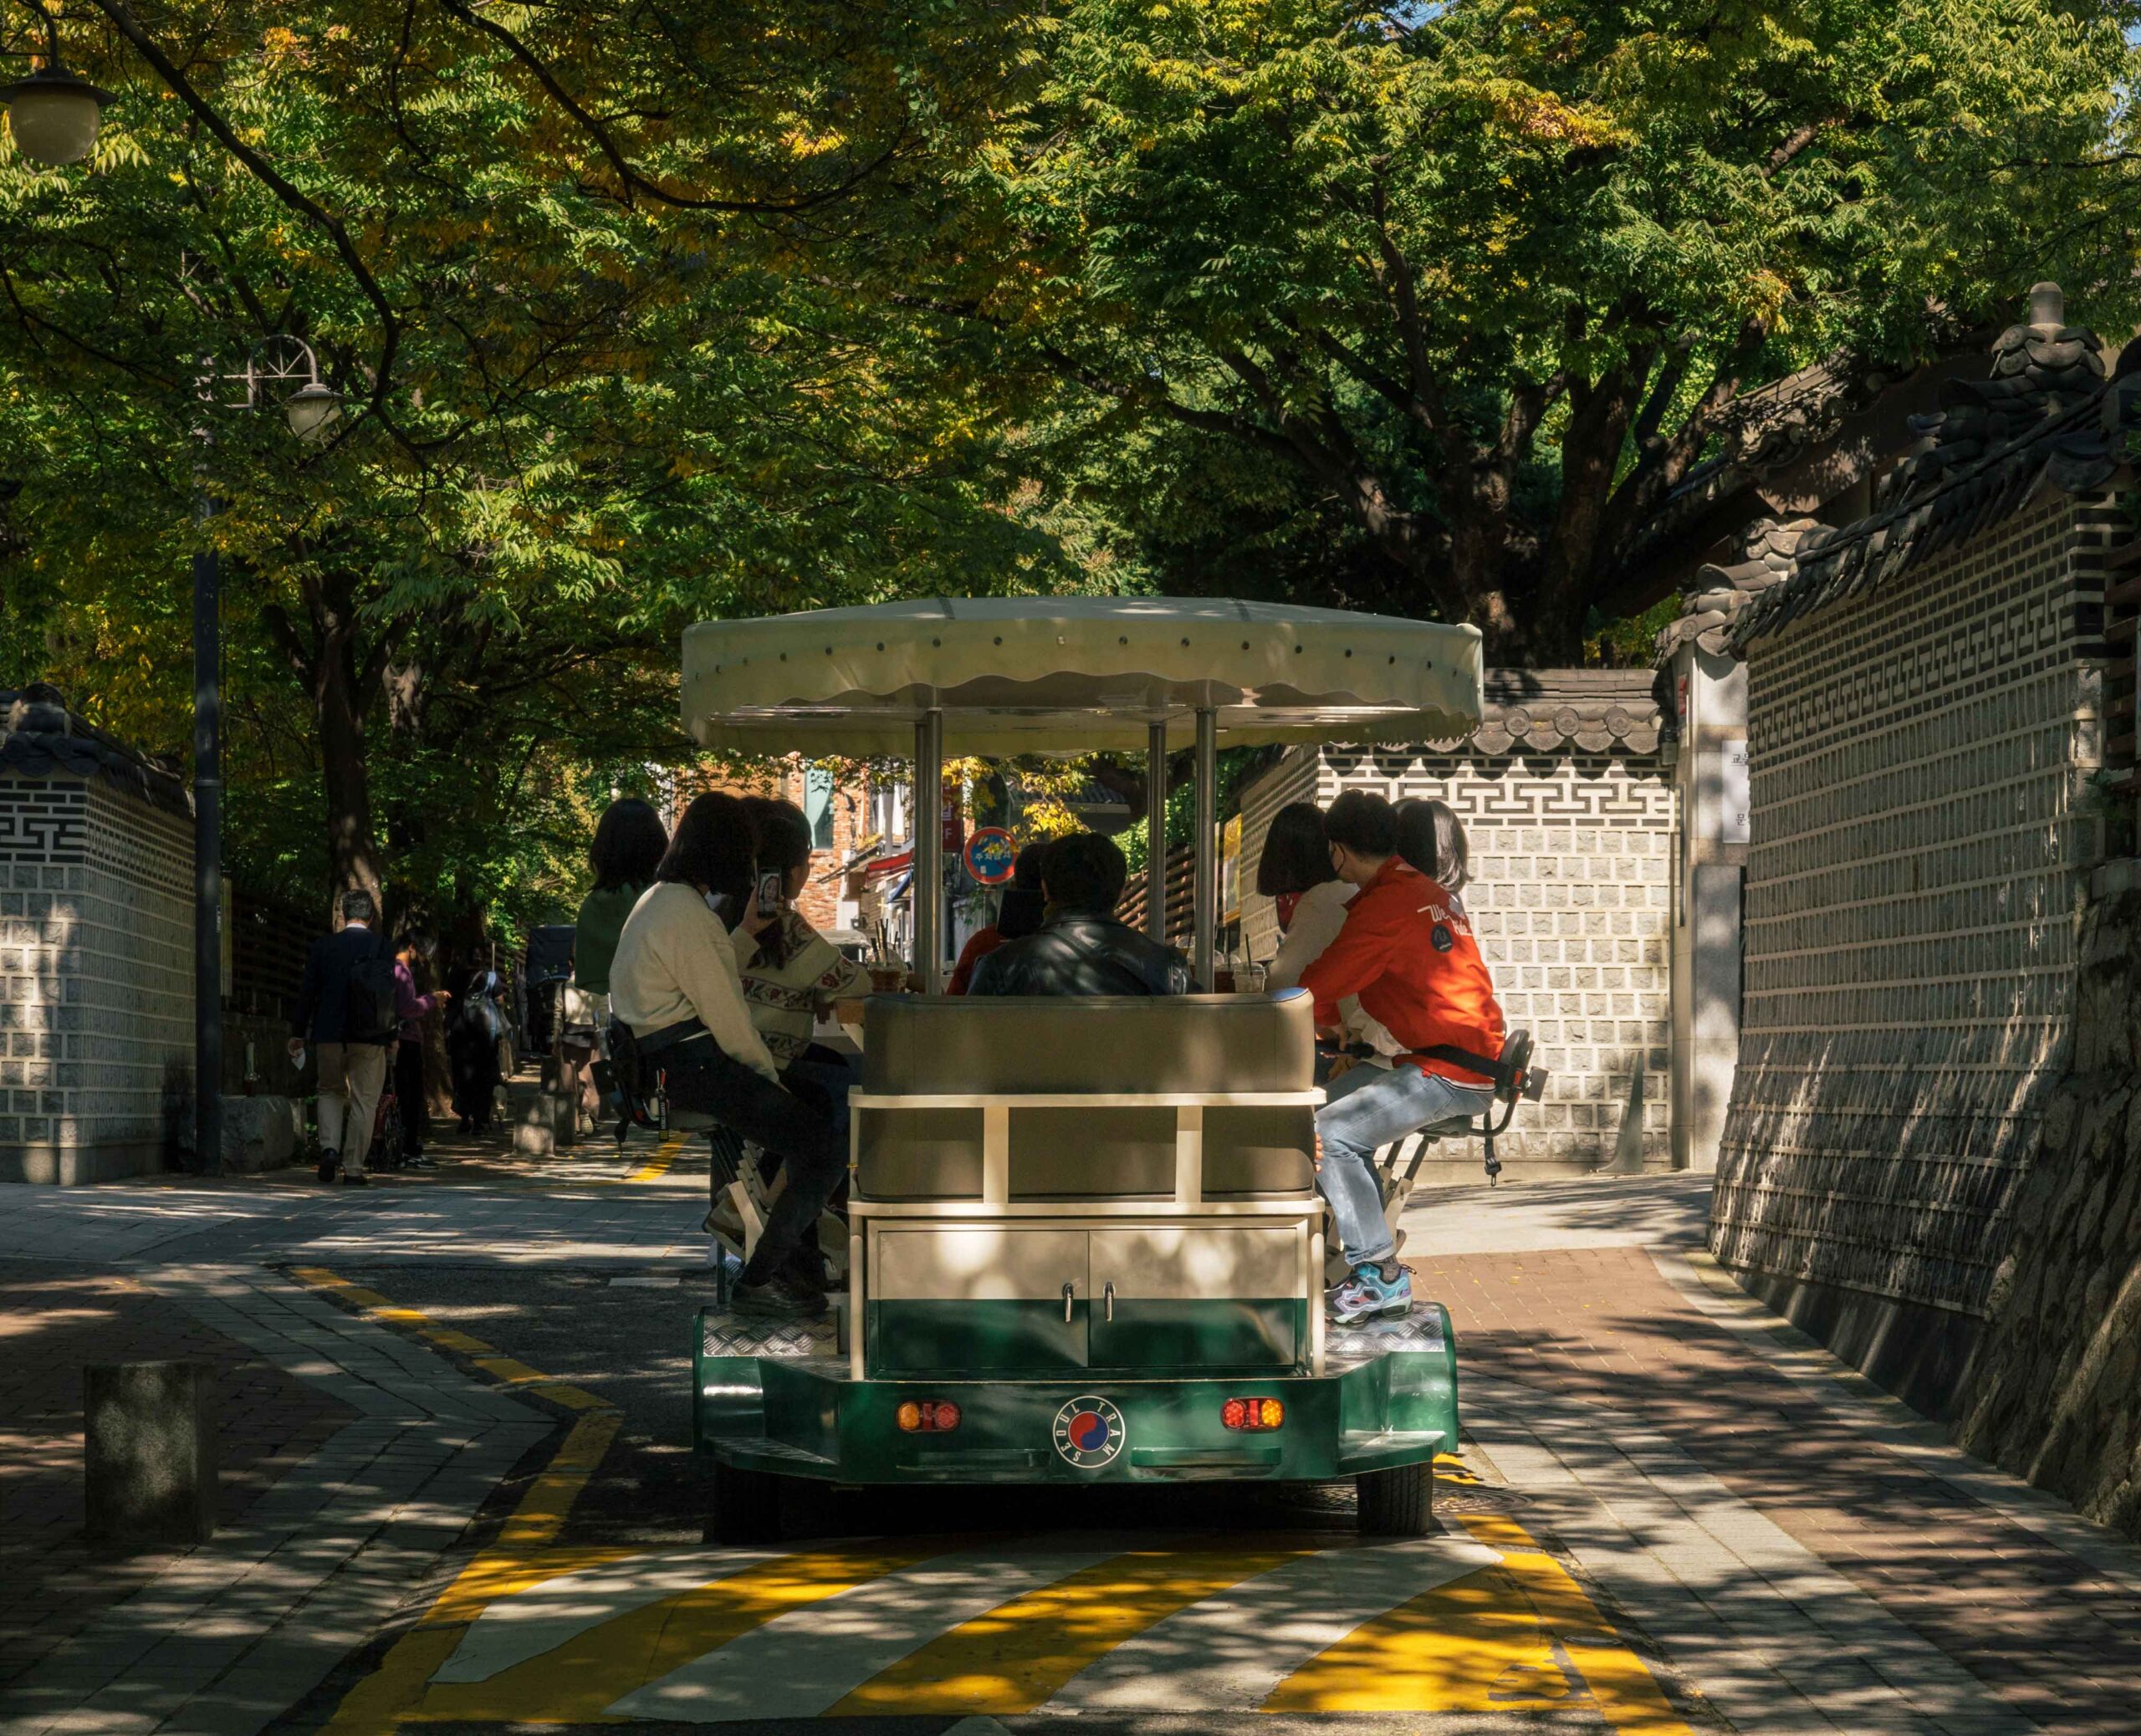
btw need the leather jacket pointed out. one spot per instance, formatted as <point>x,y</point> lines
<point>1082,952</point>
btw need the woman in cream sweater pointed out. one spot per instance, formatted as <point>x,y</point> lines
<point>675,982</point>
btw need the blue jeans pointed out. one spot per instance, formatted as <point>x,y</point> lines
<point>1368,1108</point>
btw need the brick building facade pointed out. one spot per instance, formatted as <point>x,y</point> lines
<point>96,966</point>
<point>1570,817</point>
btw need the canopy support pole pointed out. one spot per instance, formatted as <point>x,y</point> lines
<point>1156,831</point>
<point>1207,846</point>
<point>929,851</point>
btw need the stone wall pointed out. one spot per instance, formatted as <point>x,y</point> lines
<point>2053,1391</point>
<point>96,985</point>
<point>1572,855</point>
<point>1919,757</point>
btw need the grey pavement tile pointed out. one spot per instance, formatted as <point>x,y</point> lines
<point>1831,1644</point>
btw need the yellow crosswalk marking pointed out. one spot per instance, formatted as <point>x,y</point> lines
<point>576,1682</point>
<point>1020,1653</point>
<point>1501,1640</point>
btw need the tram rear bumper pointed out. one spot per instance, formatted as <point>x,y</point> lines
<point>807,1416</point>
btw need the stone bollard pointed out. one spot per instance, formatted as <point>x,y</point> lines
<point>149,1452</point>
<point>544,1124</point>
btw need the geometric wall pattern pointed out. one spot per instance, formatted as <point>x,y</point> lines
<point>1921,824</point>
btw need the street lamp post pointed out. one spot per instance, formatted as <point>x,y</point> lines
<point>310,411</point>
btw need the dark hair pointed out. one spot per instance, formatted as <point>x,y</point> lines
<point>783,837</point>
<point>628,845</point>
<point>1431,838</point>
<point>783,833</point>
<point>1296,855</point>
<point>1026,870</point>
<point>358,906</point>
<point>1366,824</point>
<point>1024,901</point>
<point>415,940</point>
<point>1085,872</point>
<point>712,848</point>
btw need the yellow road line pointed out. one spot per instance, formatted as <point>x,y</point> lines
<point>501,1368</point>
<point>1021,1653</point>
<point>379,1703</point>
<point>1505,1639</point>
<point>665,1154</point>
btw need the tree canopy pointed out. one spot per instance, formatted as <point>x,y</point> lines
<point>597,387</point>
<point>647,313</point>
<point>1429,307</point>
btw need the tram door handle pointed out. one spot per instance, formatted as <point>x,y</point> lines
<point>1070,1291</point>
<point>1107,1298</point>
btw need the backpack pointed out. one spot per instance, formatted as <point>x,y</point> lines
<point>371,1005</point>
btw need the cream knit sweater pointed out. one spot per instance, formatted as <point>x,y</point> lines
<point>675,961</point>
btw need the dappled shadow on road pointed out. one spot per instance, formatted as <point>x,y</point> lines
<point>1634,1388</point>
<point>1596,1212</point>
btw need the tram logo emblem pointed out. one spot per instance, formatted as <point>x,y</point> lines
<point>1089,1433</point>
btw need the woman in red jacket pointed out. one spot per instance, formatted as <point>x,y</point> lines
<point>1407,950</point>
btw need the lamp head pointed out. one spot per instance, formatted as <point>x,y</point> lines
<point>53,115</point>
<point>311,412</point>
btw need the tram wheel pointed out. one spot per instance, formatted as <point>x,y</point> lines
<point>1397,1503</point>
<point>746,1506</point>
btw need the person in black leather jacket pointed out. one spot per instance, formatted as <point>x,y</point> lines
<point>1081,948</point>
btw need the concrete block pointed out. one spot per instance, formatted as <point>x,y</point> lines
<point>149,1452</point>
<point>261,1133</point>
<point>544,1124</point>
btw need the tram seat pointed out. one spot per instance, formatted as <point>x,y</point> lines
<point>1109,1046</point>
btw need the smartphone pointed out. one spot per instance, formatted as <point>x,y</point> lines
<point>769,892</point>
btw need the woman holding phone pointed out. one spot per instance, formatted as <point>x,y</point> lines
<point>674,982</point>
<point>796,976</point>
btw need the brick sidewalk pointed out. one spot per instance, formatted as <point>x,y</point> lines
<point>2051,1636</point>
<point>54,1583</point>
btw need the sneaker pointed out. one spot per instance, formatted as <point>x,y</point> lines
<point>1368,1295</point>
<point>418,1161</point>
<point>330,1162</point>
<point>780,1298</point>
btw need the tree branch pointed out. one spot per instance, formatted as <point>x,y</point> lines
<point>270,177</point>
<point>622,166</point>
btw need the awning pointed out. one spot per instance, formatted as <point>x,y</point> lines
<point>1074,675</point>
<point>884,865</point>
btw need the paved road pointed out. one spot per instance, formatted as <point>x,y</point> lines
<point>462,1498</point>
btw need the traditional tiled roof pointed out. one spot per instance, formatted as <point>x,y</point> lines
<point>40,738</point>
<point>2043,415</point>
<point>1721,594</point>
<point>1567,710</point>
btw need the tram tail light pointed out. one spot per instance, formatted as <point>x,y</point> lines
<point>1253,1416</point>
<point>928,1417</point>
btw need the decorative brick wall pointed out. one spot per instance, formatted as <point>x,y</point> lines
<point>1920,755</point>
<point>96,988</point>
<point>1571,857</point>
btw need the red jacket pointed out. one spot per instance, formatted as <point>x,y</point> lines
<point>1407,950</point>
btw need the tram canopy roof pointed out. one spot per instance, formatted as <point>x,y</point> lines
<point>1074,675</point>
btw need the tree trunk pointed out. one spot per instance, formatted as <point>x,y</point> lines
<point>345,776</point>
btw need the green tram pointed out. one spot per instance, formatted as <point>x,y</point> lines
<point>1086,1244</point>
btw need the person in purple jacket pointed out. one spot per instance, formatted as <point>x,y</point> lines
<point>411,949</point>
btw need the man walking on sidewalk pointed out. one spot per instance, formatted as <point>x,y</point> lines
<point>347,1010</point>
